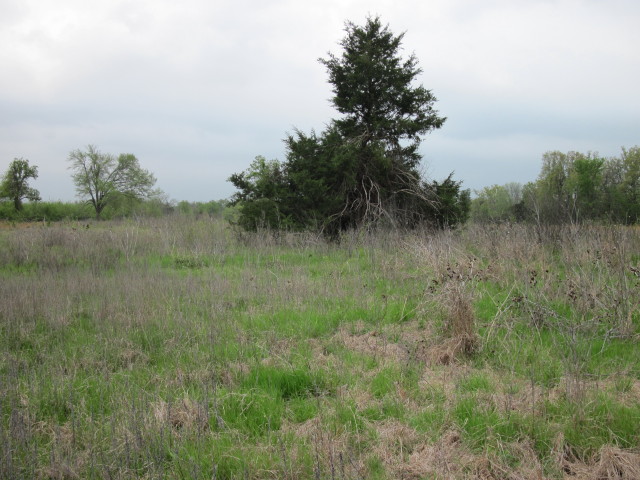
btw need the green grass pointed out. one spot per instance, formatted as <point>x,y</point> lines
<point>172,348</point>
<point>475,383</point>
<point>287,383</point>
<point>384,382</point>
<point>431,421</point>
<point>596,421</point>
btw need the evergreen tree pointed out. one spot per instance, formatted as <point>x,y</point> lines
<point>383,118</point>
<point>365,166</point>
<point>259,198</point>
<point>451,205</point>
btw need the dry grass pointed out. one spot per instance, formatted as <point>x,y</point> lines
<point>374,344</point>
<point>164,348</point>
<point>610,463</point>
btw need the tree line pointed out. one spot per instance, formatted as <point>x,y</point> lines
<point>101,179</point>
<point>571,187</point>
<point>115,186</point>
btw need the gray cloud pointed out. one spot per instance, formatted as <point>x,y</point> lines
<point>197,89</point>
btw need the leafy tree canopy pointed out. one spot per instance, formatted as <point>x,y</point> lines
<point>15,183</point>
<point>574,187</point>
<point>497,203</point>
<point>102,178</point>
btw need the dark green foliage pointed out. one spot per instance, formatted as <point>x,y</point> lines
<point>384,116</point>
<point>364,168</point>
<point>14,185</point>
<point>321,173</point>
<point>259,198</point>
<point>450,205</point>
<point>372,87</point>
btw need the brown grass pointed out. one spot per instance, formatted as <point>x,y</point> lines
<point>610,463</point>
<point>373,343</point>
<point>182,414</point>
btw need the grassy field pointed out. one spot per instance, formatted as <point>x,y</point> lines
<point>178,348</point>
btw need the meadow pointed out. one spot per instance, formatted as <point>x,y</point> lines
<point>178,347</point>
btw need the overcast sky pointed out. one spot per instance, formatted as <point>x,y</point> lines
<point>197,88</point>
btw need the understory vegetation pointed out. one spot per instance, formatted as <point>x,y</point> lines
<point>180,347</point>
<point>119,209</point>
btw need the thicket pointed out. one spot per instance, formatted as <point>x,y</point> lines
<point>119,208</point>
<point>44,211</point>
<point>212,208</point>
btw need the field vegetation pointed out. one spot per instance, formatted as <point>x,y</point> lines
<point>179,347</point>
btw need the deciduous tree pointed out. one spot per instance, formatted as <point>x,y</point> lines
<point>101,177</point>
<point>15,183</point>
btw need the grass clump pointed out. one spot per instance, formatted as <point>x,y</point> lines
<point>475,383</point>
<point>287,383</point>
